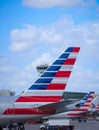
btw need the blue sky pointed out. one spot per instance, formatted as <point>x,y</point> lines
<point>34,32</point>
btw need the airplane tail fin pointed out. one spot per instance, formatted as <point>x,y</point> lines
<point>50,85</point>
<point>87,98</point>
<point>86,106</point>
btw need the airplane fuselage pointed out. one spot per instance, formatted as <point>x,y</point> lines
<point>47,90</point>
<point>19,112</point>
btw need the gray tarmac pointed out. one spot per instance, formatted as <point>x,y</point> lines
<point>89,125</point>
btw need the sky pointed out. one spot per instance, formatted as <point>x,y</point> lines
<point>34,32</point>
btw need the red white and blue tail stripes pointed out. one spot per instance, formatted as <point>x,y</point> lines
<point>50,85</point>
<point>86,98</point>
<point>85,107</point>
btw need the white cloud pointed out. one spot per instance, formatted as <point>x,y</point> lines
<point>15,78</point>
<point>19,79</point>
<point>60,32</point>
<point>52,3</point>
<point>25,38</point>
<point>63,32</point>
<point>43,59</point>
<point>84,80</point>
<point>22,39</point>
<point>48,42</point>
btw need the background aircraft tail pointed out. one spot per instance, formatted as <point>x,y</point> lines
<point>50,85</point>
<point>85,107</point>
<point>87,98</point>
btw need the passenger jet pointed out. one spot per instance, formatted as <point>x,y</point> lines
<point>44,96</point>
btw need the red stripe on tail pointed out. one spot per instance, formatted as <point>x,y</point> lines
<point>56,86</point>
<point>76,49</point>
<point>39,99</point>
<point>70,61</point>
<point>63,74</point>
